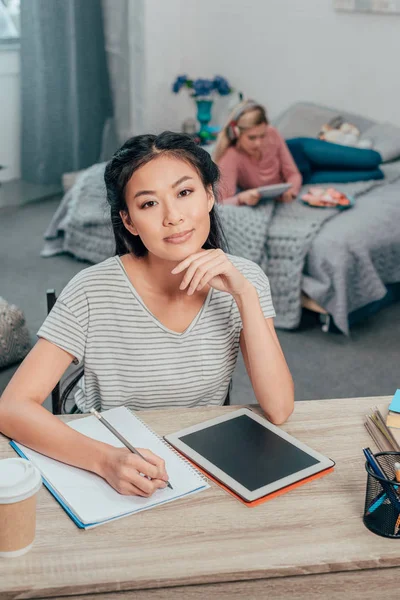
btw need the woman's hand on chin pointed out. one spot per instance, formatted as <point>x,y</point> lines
<point>213,268</point>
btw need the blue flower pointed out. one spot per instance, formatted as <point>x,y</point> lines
<point>179,83</point>
<point>203,87</point>
<point>221,85</point>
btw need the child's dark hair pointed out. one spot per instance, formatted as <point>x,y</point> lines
<point>136,152</point>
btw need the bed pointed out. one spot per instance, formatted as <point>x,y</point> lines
<point>337,265</point>
<point>352,268</point>
<point>353,264</point>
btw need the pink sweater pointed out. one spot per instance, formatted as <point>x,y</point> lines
<point>238,169</point>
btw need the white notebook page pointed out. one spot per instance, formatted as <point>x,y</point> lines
<point>89,496</point>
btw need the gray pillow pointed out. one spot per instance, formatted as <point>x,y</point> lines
<point>305,119</point>
<point>385,139</point>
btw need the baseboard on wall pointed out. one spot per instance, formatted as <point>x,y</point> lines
<point>18,192</point>
<point>68,179</point>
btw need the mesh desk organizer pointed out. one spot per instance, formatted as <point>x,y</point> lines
<point>382,498</point>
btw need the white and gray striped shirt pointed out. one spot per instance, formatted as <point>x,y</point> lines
<point>132,359</point>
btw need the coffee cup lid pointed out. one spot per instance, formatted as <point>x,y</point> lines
<point>19,479</point>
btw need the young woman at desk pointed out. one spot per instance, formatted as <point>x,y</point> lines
<point>250,154</point>
<point>159,324</point>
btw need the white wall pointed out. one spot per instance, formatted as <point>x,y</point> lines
<point>277,51</point>
<point>165,51</point>
<point>157,55</point>
<point>10,120</point>
<point>163,59</point>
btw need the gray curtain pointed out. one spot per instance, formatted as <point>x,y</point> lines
<point>124,25</point>
<point>66,99</point>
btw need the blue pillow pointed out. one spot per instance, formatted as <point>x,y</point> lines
<point>343,176</point>
<point>323,162</point>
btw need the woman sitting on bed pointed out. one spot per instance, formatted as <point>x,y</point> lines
<point>157,325</point>
<point>251,153</point>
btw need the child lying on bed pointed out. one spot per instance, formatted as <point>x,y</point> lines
<point>251,153</point>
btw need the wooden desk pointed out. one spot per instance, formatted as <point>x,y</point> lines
<point>309,543</point>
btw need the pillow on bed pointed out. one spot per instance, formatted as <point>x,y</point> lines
<point>325,162</point>
<point>305,119</point>
<point>343,176</point>
<point>328,156</point>
<point>385,139</point>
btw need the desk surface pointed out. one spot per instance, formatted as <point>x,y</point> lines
<point>213,539</point>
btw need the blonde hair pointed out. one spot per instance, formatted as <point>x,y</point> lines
<point>245,115</point>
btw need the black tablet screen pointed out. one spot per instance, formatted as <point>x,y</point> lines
<point>248,452</point>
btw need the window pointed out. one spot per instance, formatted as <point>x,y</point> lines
<point>9,21</point>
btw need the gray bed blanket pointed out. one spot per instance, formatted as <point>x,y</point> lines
<point>276,236</point>
<point>296,228</point>
<point>354,256</point>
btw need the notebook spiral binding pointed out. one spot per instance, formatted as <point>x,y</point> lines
<point>183,458</point>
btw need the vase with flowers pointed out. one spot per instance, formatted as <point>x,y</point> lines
<point>202,91</point>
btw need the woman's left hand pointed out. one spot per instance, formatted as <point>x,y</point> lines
<point>287,196</point>
<point>211,267</point>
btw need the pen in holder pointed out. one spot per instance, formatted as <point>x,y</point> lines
<point>382,498</point>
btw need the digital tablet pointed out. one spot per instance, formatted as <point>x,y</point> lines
<point>272,191</point>
<point>248,454</point>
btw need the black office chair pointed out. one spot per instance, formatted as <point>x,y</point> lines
<point>59,399</point>
<point>228,396</point>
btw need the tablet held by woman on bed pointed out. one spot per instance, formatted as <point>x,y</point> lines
<point>273,191</point>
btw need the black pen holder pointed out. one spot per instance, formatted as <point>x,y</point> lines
<point>382,498</point>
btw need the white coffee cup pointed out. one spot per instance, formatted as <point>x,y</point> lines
<point>19,483</point>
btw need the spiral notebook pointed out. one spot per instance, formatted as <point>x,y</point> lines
<point>87,498</point>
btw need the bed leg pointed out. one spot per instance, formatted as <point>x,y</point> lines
<point>325,320</point>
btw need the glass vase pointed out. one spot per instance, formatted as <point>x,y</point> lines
<point>204,109</point>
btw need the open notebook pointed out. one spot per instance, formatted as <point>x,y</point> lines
<point>87,498</point>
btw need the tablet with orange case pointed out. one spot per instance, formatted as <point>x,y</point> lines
<point>249,457</point>
<point>268,496</point>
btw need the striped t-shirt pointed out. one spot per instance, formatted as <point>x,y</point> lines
<point>130,358</point>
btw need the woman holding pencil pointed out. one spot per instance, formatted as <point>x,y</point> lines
<point>157,325</point>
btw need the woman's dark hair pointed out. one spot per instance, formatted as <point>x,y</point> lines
<point>138,151</point>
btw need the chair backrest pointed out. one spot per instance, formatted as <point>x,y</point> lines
<point>55,394</point>
<point>58,399</point>
<point>228,396</point>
